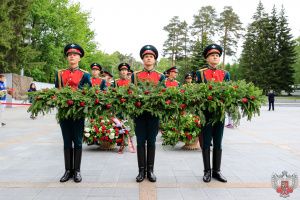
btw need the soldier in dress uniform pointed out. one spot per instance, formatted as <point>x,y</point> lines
<point>109,79</point>
<point>96,80</point>
<point>123,80</point>
<point>211,131</point>
<point>171,80</point>
<point>146,125</point>
<point>129,74</point>
<point>188,78</point>
<point>72,130</point>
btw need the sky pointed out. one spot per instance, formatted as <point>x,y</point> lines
<point>127,25</point>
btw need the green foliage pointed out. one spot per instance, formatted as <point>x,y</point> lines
<point>215,98</point>
<point>185,128</point>
<point>268,52</point>
<point>230,27</point>
<point>297,63</point>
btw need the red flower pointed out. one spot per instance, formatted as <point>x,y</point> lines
<point>252,97</point>
<point>97,91</point>
<point>82,104</point>
<point>126,132</point>
<point>53,97</point>
<point>96,129</point>
<point>235,86</point>
<point>244,100</point>
<point>168,102</point>
<point>182,91</point>
<point>183,106</point>
<point>97,101</point>
<point>120,140</point>
<point>163,90</point>
<point>95,139</point>
<point>196,121</point>
<point>138,104</point>
<point>210,87</point>
<point>147,92</point>
<point>108,131</point>
<point>209,98</point>
<point>108,106</point>
<point>100,118</point>
<point>122,100</point>
<point>189,137</point>
<point>70,102</point>
<point>129,91</point>
<point>103,128</point>
<point>92,120</point>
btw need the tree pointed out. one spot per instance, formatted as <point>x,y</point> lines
<point>175,47</point>
<point>286,54</point>
<point>268,52</point>
<point>53,24</point>
<point>16,51</point>
<point>255,59</point>
<point>297,63</point>
<point>230,27</point>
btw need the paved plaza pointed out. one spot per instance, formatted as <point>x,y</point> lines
<point>31,163</point>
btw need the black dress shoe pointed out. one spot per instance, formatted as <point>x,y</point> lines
<point>142,174</point>
<point>207,176</point>
<point>77,177</point>
<point>67,175</point>
<point>218,176</point>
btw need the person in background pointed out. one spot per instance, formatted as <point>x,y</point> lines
<point>32,88</point>
<point>172,75</point>
<point>271,99</point>
<point>188,78</point>
<point>109,79</point>
<point>129,74</point>
<point>96,80</point>
<point>3,91</point>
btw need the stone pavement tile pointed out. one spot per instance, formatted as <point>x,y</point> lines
<point>259,193</point>
<point>187,179</point>
<point>114,193</point>
<point>218,193</point>
<point>166,179</point>
<point>193,193</point>
<point>169,194</point>
<point>19,193</point>
<point>183,173</point>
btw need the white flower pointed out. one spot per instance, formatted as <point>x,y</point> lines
<point>87,129</point>
<point>87,134</point>
<point>111,136</point>
<point>102,121</point>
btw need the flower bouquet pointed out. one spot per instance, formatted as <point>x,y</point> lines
<point>106,132</point>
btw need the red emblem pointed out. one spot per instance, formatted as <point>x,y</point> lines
<point>284,184</point>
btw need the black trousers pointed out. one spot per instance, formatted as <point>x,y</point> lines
<point>72,132</point>
<point>212,132</point>
<point>271,104</point>
<point>146,129</point>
